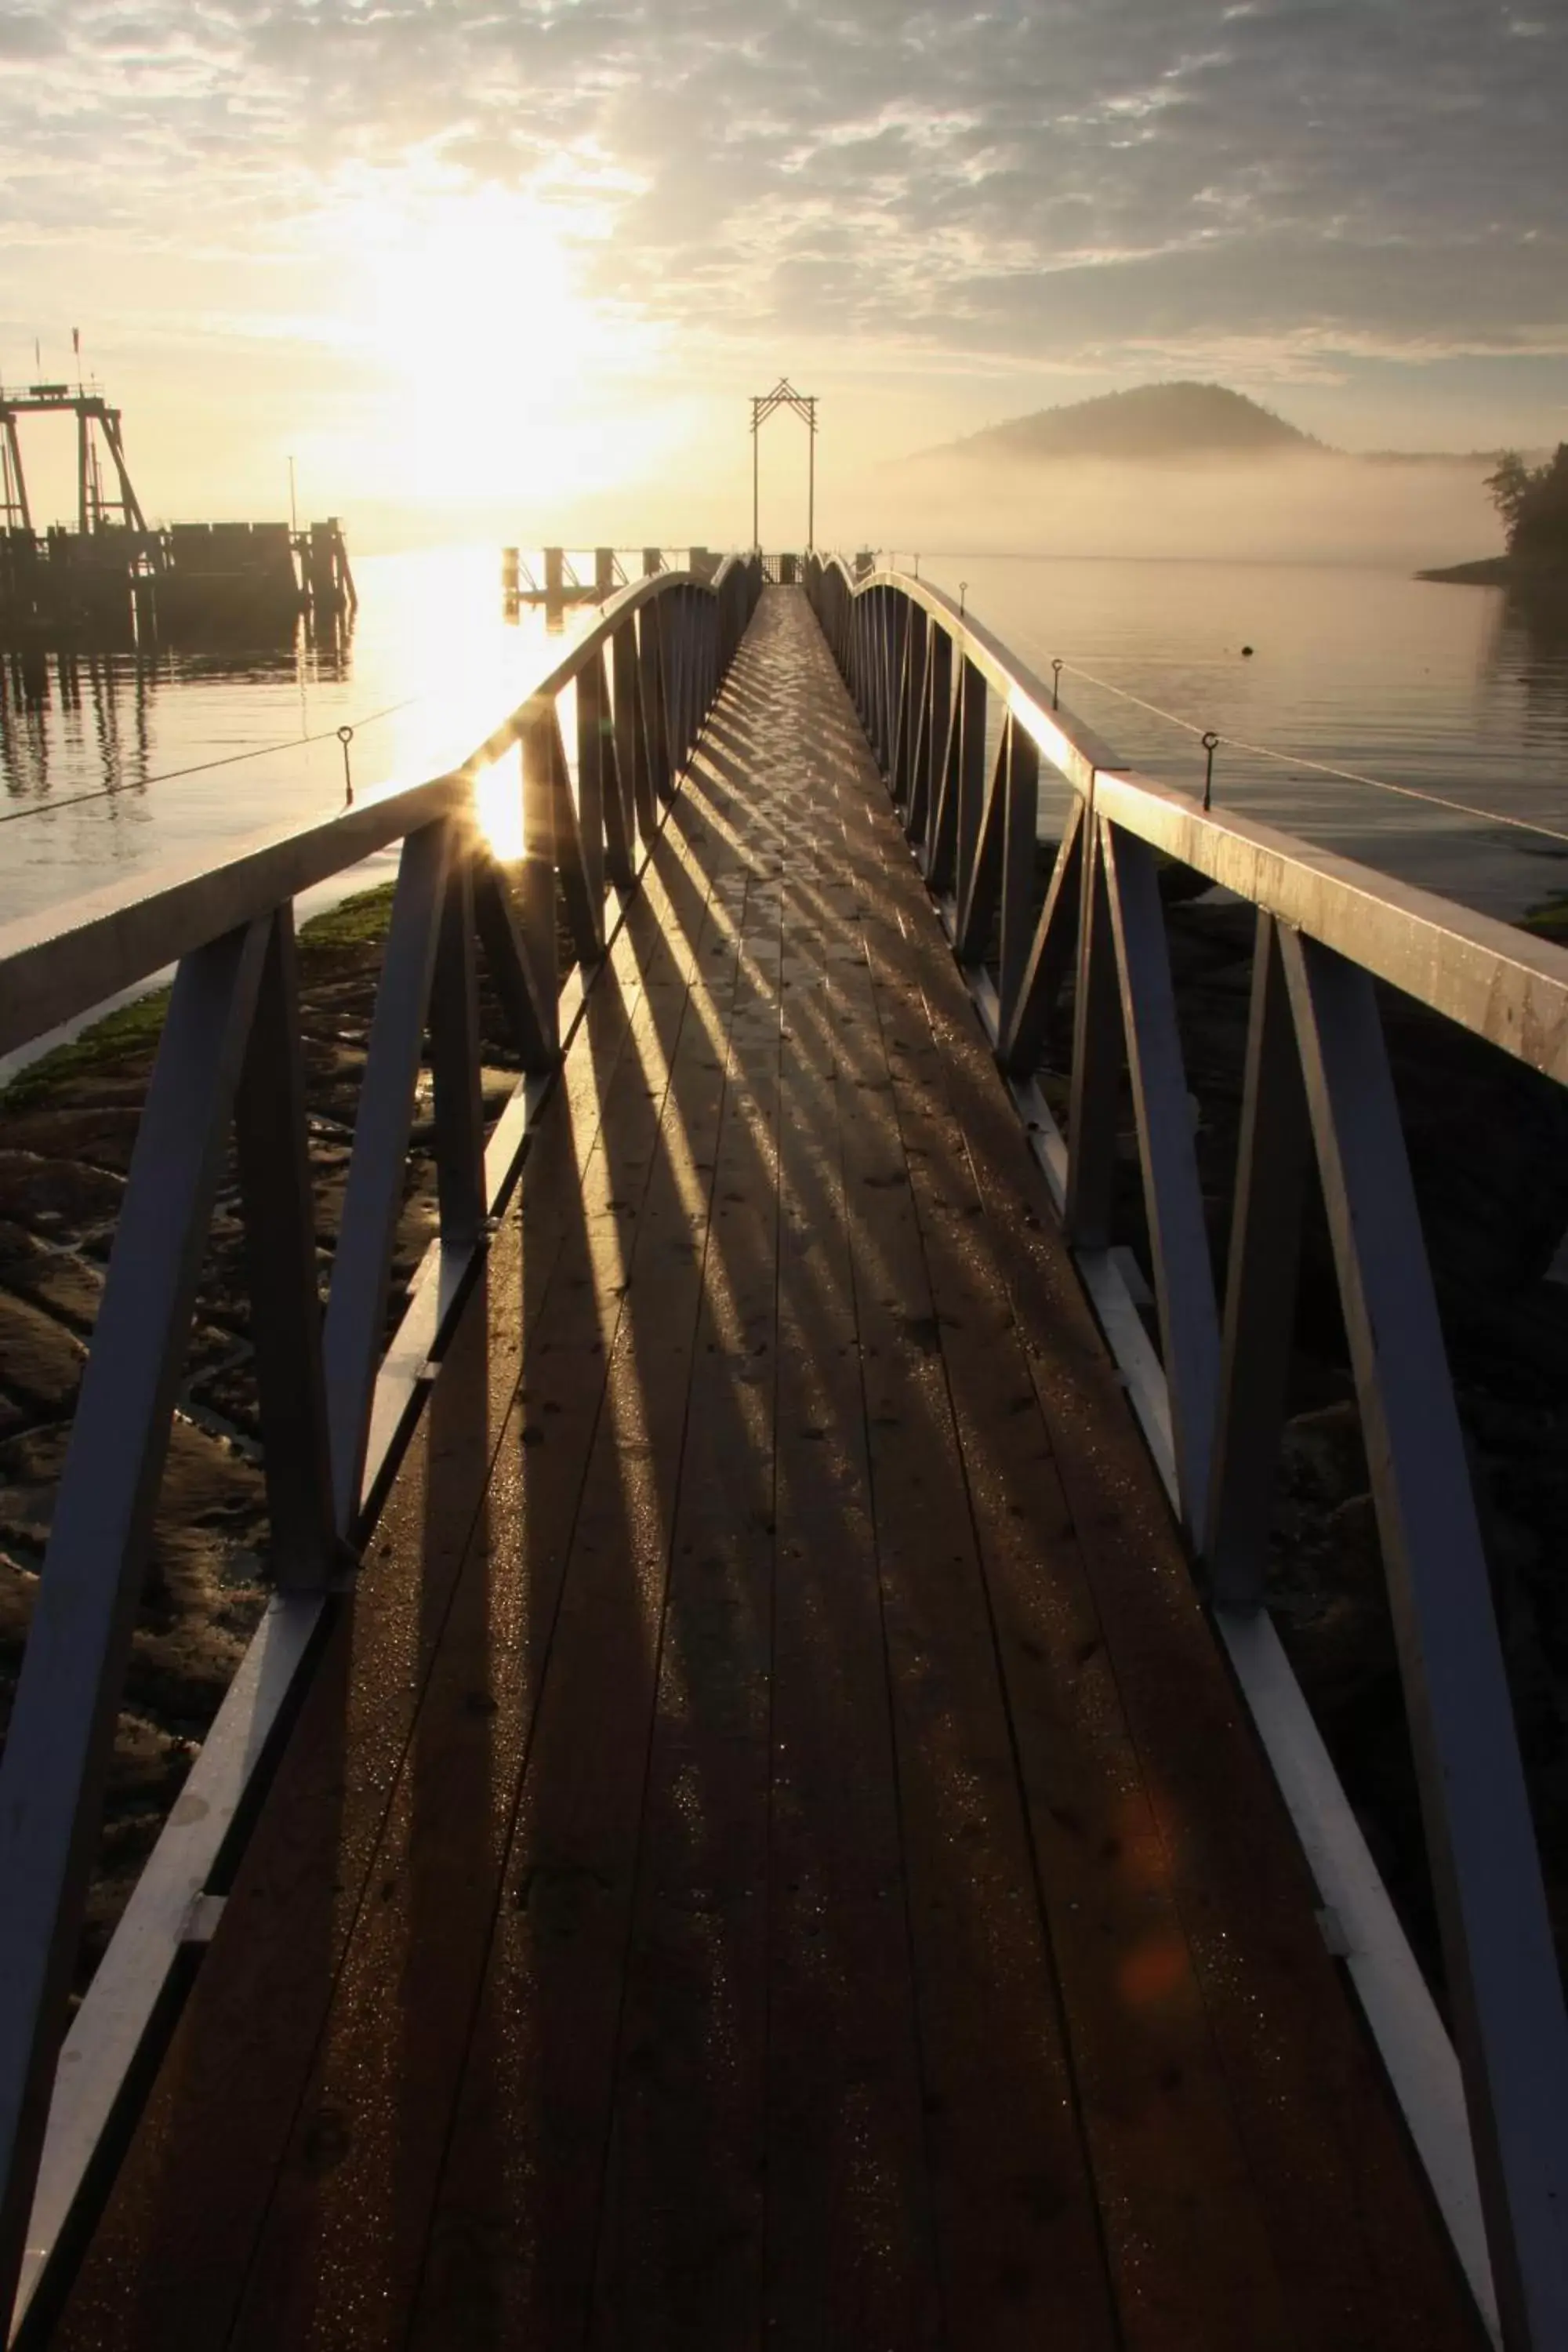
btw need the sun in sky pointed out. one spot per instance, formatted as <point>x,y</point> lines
<point>495,370</point>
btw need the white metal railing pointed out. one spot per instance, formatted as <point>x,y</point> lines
<point>332,1408</point>
<point>964,735</point>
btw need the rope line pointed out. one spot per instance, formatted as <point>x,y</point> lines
<point>199,767</point>
<point>1319,767</point>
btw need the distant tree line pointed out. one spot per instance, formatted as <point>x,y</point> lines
<point>1533,504</point>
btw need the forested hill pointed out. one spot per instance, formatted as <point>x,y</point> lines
<point>1156,421</point>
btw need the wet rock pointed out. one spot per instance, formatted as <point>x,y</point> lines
<point>94,1134</point>
<point>40,1360</point>
<point>56,1196</point>
<point>56,1279</point>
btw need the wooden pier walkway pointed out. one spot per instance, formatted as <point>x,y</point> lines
<point>773,1853</point>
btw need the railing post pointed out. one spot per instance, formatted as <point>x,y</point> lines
<point>1501,1969</point>
<point>459,1122</point>
<point>692,659</point>
<point>372,1198</point>
<point>979,896</point>
<point>1019,853</point>
<point>589,811</point>
<point>672,662</point>
<point>581,881</point>
<point>889,651</point>
<point>1273,1158</point>
<point>918,766</point>
<point>273,1162</point>
<point>960,823</point>
<point>1050,953</point>
<point>907,709</point>
<point>1178,1237</point>
<point>655,714</point>
<point>690,667</point>
<point>62,1723</point>
<point>522,970</point>
<point>672,624</point>
<point>600,775</point>
<point>631,728</point>
<point>931,781</point>
<point>1096,1060</point>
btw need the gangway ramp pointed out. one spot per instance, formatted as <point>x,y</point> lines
<point>773,1850</point>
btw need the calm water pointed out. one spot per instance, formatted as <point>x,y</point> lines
<point>1443,689</point>
<point>428,669</point>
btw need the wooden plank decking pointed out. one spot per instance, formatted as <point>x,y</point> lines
<point>771,1854</point>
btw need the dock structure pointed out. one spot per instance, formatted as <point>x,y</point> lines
<point>798,1829</point>
<point>117,578</point>
<point>612,568</point>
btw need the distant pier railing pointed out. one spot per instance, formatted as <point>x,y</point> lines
<point>333,1408</point>
<point>966,739</point>
<point>612,568</point>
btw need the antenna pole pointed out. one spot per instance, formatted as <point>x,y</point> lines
<point>811,477</point>
<point>293,514</point>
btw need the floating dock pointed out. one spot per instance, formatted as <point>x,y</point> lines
<point>115,576</point>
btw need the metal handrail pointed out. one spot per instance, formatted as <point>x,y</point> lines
<point>1492,2127</point>
<point>60,964</point>
<point>333,1407</point>
<point>1501,983</point>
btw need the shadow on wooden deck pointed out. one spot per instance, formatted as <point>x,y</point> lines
<point>772,1852</point>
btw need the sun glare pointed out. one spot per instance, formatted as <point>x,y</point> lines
<point>498,369</point>
<point>497,805</point>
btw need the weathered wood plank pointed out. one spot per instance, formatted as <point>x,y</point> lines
<point>513,2239</point>
<point>1017,2236</point>
<point>1182,2229</point>
<point>681,2236</point>
<point>851,2253</point>
<point>1354,2239</point>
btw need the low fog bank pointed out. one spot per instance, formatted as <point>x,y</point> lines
<point>1308,509</point>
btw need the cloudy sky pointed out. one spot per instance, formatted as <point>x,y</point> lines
<point>540,250</point>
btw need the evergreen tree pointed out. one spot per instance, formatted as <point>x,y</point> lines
<point>1533,504</point>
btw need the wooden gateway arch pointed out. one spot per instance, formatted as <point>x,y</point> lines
<point>804,405</point>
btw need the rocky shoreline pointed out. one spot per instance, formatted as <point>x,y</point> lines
<point>1488,1143</point>
<point>1544,588</point>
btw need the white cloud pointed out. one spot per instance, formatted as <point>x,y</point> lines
<point>1024,183</point>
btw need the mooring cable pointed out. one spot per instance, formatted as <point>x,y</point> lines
<point>202,767</point>
<point>1302,760</point>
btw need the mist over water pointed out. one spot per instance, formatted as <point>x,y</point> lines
<point>1310,507</point>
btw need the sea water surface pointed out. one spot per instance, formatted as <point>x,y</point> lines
<point>1447,693</point>
<point>118,764</point>
<point>115,765</point>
